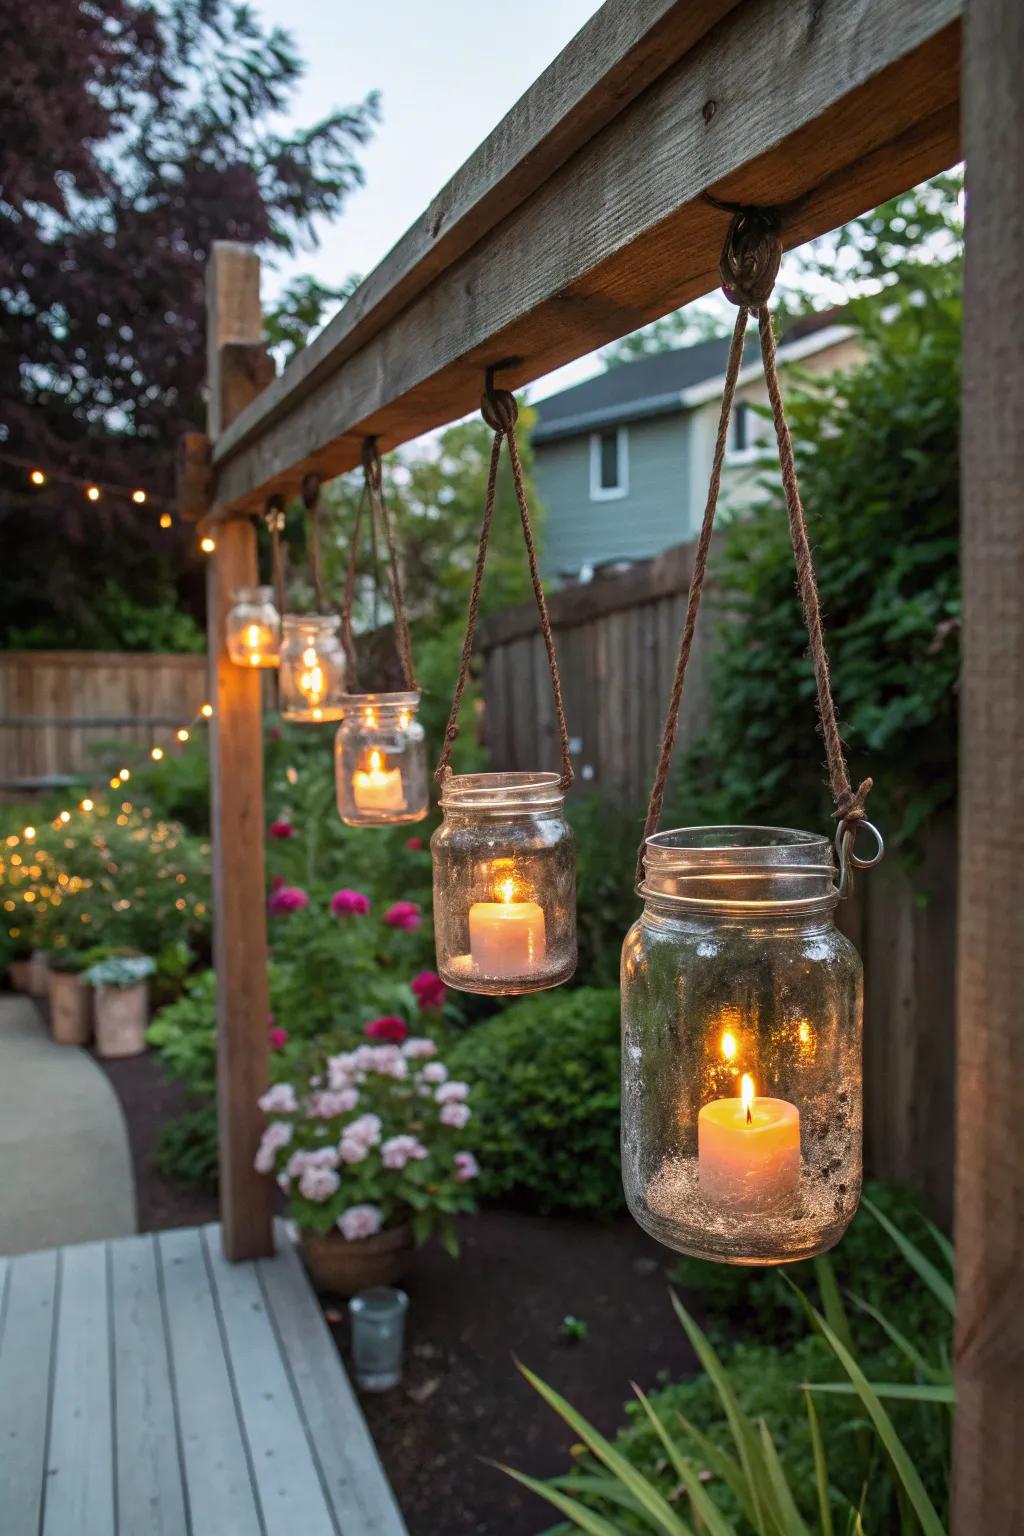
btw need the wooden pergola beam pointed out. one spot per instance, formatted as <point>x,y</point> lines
<point>583,239</point>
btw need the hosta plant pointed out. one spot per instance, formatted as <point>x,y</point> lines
<point>372,1138</point>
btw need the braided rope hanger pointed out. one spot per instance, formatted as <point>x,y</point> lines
<point>500,411</point>
<point>311,502</point>
<point>749,266</point>
<point>373,493</point>
<point>274,518</point>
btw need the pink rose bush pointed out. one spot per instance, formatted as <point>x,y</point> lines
<point>390,1027</point>
<point>348,903</point>
<point>287,898</point>
<point>428,990</point>
<point>405,915</point>
<point>371,1138</point>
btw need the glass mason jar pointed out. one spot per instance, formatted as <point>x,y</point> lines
<point>504,884</point>
<point>378,1336</point>
<point>253,628</point>
<point>312,667</point>
<point>741,1048</point>
<point>380,760</point>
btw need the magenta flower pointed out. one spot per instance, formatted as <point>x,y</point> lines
<point>404,914</point>
<point>390,1028</point>
<point>429,989</point>
<point>415,843</point>
<point>287,898</point>
<point>466,1167</point>
<point>278,1038</point>
<point>346,903</point>
<point>281,828</point>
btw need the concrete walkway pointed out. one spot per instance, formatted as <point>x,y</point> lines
<point>65,1165</point>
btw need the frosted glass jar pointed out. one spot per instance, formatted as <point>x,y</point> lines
<point>504,884</point>
<point>380,763</point>
<point>253,628</point>
<point>312,677</point>
<point>741,1048</point>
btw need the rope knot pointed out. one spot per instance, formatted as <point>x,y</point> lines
<point>310,490</point>
<point>499,409</point>
<point>371,463</point>
<point>850,806</point>
<point>750,258</point>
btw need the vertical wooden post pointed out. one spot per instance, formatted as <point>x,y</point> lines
<point>987,1490</point>
<point>236,371</point>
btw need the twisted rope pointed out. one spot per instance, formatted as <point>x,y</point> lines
<point>373,478</point>
<point>274,519</point>
<point>311,501</point>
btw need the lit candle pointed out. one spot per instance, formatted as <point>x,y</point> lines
<point>748,1150</point>
<point>506,937</point>
<point>378,788</point>
<point>258,638</point>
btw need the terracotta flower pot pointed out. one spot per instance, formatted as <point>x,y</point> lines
<point>346,1268</point>
<point>122,1014</point>
<point>19,972</point>
<point>70,1009</point>
<point>39,974</point>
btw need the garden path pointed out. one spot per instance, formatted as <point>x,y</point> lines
<point>67,1172</point>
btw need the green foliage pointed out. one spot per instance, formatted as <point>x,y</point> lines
<point>117,620</point>
<point>607,838</point>
<point>877,453</point>
<point>184,1035</point>
<point>187,1148</point>
<point>546,1100</point>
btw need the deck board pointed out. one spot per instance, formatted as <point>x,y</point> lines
<point>150,1388</point>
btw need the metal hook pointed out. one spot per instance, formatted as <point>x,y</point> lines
<point>846,836</point>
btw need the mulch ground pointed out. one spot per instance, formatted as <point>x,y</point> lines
<point>462,1403</point>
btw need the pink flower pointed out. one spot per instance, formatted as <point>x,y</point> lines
<point>318,1183</point>
<point>404,914</point>
<point>352,1151</point>
<point>435,1072</point>
<point>455,1114</point>
<point>278,1038</point>
<point>275,733</point>
<point>279,1100</point>
<point>390,1028</point>
<point>417,1046</point>
<point>429,989</point>
<point>450,1091</point>
<point>281,828</point>
<point>366,1130</point>
<point>415,843</point>
<point>466,1167</point>
<point>346,903</point>
<point>329,1103</point>
<point>360,1221</point>
<point>277,1135</point>
<point>287,898</point>
<point>399,1150</point>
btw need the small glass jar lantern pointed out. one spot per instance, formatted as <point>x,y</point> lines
<point>253,628</point>
<point>504,884</point>
<point>312,667</point>
<point>378,1336</point>
<point>741,1048</point>
<point>380,766</point>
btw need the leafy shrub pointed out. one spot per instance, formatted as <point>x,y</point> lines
<point>187,1148</point>
<point>546,1099</point>
<point>607,839</point>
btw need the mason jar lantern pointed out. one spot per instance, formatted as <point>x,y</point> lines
<point>741,1048</point>
<point>253,628</point>
<point>312,667</point>
<point>504,884</point>
<point>380,767</point>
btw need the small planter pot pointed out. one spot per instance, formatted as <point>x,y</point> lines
<point>19,972</point>
<point>70,1009</point>
<point>121,1015</point>
<point>39,975</point>
<point>346,1268</point>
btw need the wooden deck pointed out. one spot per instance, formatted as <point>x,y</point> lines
<point>149,1388</point>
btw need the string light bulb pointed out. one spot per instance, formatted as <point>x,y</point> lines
<point>124,775</point>
<point>206,710</point>
<point>64,816</point>
<point>183,734</point>
<point>166,519</point>
<point>139,497</point>
<point>92,493</point>
<point>156,754</point>
<point>86,805</point>
<point>37,477</point>
<point>207,545</point>
<point>28,834</point>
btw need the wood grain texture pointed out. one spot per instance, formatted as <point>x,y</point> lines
<point>236,792</point>
<point>79,1487</point>
<point>840,105</point>
<point>989,1346</point>
<point>26,1342</point>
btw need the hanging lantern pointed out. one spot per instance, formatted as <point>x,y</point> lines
<point>312,673</point>
<point>741,1048</point>
<point>504,884</point>
<point>253,628</point>
<point>380,760</point>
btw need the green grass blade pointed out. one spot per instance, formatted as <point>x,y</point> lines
<point>792,1521</point>
<point>831,1300</point>
<point>723,1465</point>
<point>706,1508</point>
<point>899,1391</point>
<point>943,1244</point>
<point>905,1470</point>
<point>650,1500</point>
<point>903,1344</point>
<point>599,1485</point>
<point>583,1518</point>
<point>820,1469</point>
<point>926,1271</point>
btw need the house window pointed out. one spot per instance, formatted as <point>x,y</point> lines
<point>745,441</point>
<point>609,464</point>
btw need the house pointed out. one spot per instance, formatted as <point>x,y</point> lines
<point>622,461</point>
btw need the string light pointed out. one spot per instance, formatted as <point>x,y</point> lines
<point>156,754</point>
<point>37,477</point>
<point>166,519</point>
<point>139,497</point>
<point>206,710</point>
<point>183,734</point>
<point>28,834</point>
<point>207,545</point>
<point>124,775</point>
<point>92,493</point>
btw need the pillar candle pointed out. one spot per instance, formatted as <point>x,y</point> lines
<point>748,1150</point>
<point>506,937</point>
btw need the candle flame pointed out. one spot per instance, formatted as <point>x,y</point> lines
<point>506,888</point>
<point>804,1032</point>
<point>252,636</point>
<point>375,762</point>
<point>370,718</point>
<point>747,1094</point>
<point>728,1045</point>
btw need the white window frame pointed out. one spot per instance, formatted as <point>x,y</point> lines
<point>753,451</point>
<point>599,492</point>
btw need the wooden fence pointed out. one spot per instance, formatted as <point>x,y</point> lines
<point>57,708</point>
<point>617,643</point>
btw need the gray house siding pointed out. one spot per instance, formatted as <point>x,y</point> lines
<point>653,514</point>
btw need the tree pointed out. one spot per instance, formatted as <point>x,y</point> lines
<point>132,135</point>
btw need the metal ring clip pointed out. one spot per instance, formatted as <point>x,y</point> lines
<point>846,836</point>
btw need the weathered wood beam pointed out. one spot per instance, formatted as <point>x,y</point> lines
<point>234,325</point>
<point>840,105</point>
<point>988,1494</point>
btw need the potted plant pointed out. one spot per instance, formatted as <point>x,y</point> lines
<point>19,966</point>
<point>372,1151</point>
<point>121,995</point>
<point>39,974</point>
<point>70,996</point>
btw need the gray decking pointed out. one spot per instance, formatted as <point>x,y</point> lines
<point>149,1388</point>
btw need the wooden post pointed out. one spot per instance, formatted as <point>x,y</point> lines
<point>236,370</point>
<point>989,1435</point>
